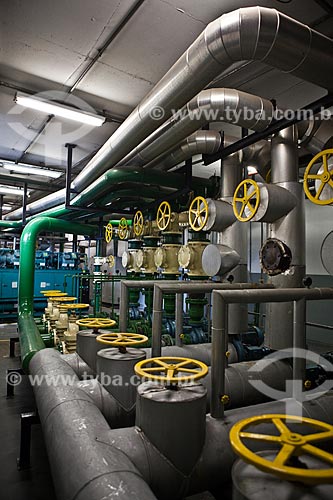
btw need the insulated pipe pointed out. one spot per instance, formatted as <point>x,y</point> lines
<point>212,472</point>
<point>221,300</point>
<point>291,231</point>
<point>253,33</point>
<point>212,105</point>
<point>236,237</point>
<point>75,432</point>
<point>30,339</point>
<point>201,142</point>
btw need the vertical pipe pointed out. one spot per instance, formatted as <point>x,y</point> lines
<point>291,231</point>
<point>299,339</point>
<point>219,358</point>
<point>179,319</point>
<point>235,237</point>
<point>156,349</point>
<point>123,308</point>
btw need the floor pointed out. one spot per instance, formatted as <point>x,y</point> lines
<point>36,482</point>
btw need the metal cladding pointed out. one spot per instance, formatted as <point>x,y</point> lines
<point>118,368</point>
<point>253,33</point>
<point>227,105</point>
<point>218,260</point>
<point>201,142</point>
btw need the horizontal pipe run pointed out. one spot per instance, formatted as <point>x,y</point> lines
<point>180,288</point>
<point>221,299</point>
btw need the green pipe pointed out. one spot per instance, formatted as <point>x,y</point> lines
<point>15,224</point>
<point>30,339</point>
<point>106,182</point>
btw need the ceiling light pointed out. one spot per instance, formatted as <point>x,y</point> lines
<point>53,108</point>
<point>7,207</point>
<point>22,168</point>
<point>11,190</point>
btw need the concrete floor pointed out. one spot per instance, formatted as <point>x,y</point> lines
<point>36,482</point>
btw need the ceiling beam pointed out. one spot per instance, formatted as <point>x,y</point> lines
<point>12,180</point>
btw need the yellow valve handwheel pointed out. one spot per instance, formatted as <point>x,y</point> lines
<point>163,216</point>
<point>122,339</point>
<point>75,306</point>
<point>123,229</point>
<point>138,223</point>
<point>54,294</point>
<point>96,323</point>
<point>108,232</point>
<point>243,199</point>
<point>174,369</point>
<point>63,299</point>
<point>292,445</point>
<point>325,178</point>
<point>50,292</point>
<point>198,213</point>
<point>110,260</point>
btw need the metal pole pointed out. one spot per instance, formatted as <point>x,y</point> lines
<point>179,319</point>
<point>299,339</point>
<point>156,348</point>
<point>123,306</point>
<point>249,296</point>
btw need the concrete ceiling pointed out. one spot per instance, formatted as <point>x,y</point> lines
<point>47,46</point>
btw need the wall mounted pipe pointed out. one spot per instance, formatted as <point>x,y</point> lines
<point>253,33</point>
<point>221,301</point>
<point>30,339</point>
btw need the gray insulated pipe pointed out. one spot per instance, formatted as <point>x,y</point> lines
<point>82,465</point>
<point>212,105</point>
<point>253,33</point>
<point>201,142</point>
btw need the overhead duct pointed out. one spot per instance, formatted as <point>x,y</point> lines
<point>253,33</point>
<point>213,105</point>
<point>201,142</point>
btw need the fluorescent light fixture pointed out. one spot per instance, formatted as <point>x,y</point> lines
<point>53,108</point>
<point>11,190</point>
<point>22,168</point>
<point>7,207</point>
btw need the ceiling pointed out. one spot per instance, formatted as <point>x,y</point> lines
<point>48,46</point>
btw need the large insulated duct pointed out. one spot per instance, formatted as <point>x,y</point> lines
<point>289,229</point>
<point>30,339</point>
<point>84,466</point>
<point>212,105</point>
<point>201,142</point>
<point>253,33</point>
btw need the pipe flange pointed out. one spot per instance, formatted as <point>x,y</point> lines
<point>275,257</point>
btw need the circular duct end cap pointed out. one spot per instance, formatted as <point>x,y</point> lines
<point>275,257</point>
<point>218,260</point>
<point>326,253</point>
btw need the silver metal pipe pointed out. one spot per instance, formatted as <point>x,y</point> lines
<point>291,231</point>
<point>253,33</point>
<point>179,319</point>
<point>299,339</point>
<point>183,287</point>
<point>201,142</point>
<point>221,299</point>
<point>226,105</point>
